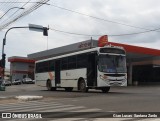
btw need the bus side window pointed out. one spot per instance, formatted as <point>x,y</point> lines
<point>37,68</point>
<point>81,61</point>
<point>72,62</point>
<point>64,63</point>
<point>45,66</point>
<point>51,65</point>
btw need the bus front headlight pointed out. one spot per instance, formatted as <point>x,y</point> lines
<point>103,77</point>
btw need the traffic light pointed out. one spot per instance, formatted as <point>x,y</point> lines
<point>45,31</point>
<point>3,60</point>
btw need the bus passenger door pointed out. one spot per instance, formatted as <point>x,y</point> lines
<point>57,72</point>
<point>92,70</point>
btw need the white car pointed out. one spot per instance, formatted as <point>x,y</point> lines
<point>16,82</point>
<point>7,83</point>
<point>27,81</point>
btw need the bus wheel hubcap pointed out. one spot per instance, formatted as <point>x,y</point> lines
<point>82,86</point>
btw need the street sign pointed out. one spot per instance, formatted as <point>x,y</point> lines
<point>34,27</point>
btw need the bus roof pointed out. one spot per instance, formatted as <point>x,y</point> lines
<point>75,53</point>
<point>69,54</point>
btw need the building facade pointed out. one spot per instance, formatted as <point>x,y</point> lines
<point>21,67</point>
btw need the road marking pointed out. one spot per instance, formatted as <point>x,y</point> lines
<point>26,104</point>
<point>87,110</point>
<point>21,107</point>
<point>61,110</point>
<point>37,108</point>
<point>68,119</point>
<point>64,109</point>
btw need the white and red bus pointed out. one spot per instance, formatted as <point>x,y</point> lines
<point>95,68</point>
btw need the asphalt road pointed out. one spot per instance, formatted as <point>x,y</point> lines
<point>119,99</point>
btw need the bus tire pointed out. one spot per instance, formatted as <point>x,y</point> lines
<point>82,86</point>
<point>105,89</point>
<point>49,86</point>
<point>53,89</point>
<point>68,89</point>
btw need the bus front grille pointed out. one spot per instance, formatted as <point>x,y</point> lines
<point>115,75</point>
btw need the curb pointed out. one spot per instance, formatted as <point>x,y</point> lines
<point>28,98</point>
<point>22,98</point>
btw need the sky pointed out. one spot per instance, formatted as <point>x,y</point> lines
<point>119,17</point>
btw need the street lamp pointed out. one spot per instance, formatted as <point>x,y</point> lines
<point>31,27</point>
<point>9,10</point>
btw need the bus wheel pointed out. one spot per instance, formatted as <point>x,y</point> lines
<point>105,89</point>
<point>68,89</point>
<point>82,86</point>
<point>49,86</point>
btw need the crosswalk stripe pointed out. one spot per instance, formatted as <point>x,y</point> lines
<point>87,110</point>
<point>42,109</point>
<point>37,108</point>
<point>56,107</point>
<point>68,119</point>
<point>27,106</point>
<point>27,103</point>
<point>21,102</point>
<point>64,109</point>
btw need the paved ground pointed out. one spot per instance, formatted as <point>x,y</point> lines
<point>54,110</point>
<point>119,99</point>
<point>144,98</point>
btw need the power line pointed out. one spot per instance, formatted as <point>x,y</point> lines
<point>22,14</point>
<point>103,34</point>
<point>72,32</point>
<point>5,6</point>
<point>16,2</point>
<point>94,17</point>
<point>25,3</point>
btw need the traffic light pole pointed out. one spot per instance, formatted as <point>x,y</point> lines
<point>4,43</point>
<point>45,33</point>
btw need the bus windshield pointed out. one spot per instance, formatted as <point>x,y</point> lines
<point>112,63</point>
